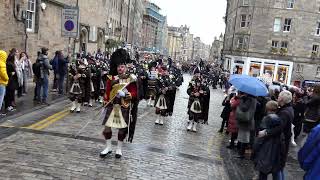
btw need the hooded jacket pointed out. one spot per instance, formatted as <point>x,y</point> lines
<point>3,69</point>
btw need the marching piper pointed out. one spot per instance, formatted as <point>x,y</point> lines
<point>121,93</point>
<point>197,93</point>
<point>80,81</point>
<point>163,84</point>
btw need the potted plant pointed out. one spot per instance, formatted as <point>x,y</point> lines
<point>283,51</point>
<point>314,55</point>
<point>274,50</point>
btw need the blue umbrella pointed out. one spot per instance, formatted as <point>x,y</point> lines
<point>249,85</point>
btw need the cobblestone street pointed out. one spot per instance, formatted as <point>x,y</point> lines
<point>51,150</point>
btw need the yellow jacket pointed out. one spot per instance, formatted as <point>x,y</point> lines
<point>3,68</point>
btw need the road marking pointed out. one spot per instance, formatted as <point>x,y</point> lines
<point>46,121</point>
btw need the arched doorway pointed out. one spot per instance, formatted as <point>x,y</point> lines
<point>83,40</point>
<point>100,40</point>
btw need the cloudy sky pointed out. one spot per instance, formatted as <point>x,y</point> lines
<point>203,16</point>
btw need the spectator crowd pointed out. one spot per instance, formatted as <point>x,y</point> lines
<point>263,129</point>
<point>17,71</point>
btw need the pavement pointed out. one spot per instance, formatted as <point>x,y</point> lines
<point>25,103</point>
<point>52,143</point>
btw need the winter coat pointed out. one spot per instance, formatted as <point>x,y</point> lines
<point>13,78</point>
<point>269,150</point>
<point>19,71</point>
<point>286,114</point>
<point>232,123</point>
<point>227,107</point>
<point>247,104</point>
<point>46,65</point>
<point>313,109</point>
<point>3,69</point>
<point>299,109</point>
<point>308,155</point>
<point>62,66</point>
<point>54,64</point>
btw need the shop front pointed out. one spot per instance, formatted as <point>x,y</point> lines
<point>268,69</point>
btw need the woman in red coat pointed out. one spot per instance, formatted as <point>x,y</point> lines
<point>232,123</point>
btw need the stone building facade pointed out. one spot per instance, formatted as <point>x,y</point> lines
<point>216,49</point>
<point>175,43</point>
<point>200,50</point>
<point>98,21</point>
<point>278,38</point>
<point>154,28</point>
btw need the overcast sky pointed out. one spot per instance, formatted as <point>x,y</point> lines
<point>203,16</point>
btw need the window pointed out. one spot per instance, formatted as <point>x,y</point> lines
<point>318,72</point>
<point>284,44</point>
<point>245,2</point>
<point>277,25</point>
<point>299,68</point>
<point>290,4</point>
<point>242,43</point>
<point>275,44</point>
<point>287,25</point>
<point>245,20</point>
<point>248,20</point>
<point>30,15</point>
<point>318,29</point>
<point>315,48</point>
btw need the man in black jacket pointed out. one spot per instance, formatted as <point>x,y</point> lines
<point>286,114</point>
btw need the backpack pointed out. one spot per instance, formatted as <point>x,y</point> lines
<point>36,68</point>
<point>243,117</point>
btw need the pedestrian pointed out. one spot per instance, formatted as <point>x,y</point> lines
<point>3,77</point>
<point>308,155</point>
<point>299,109</point>
<point>43,81</point>
<point>268,150</point>
<point>36,76</point>
<point>19,69</point>
<point>286,114</point>
<point>227,108</point>
<point>312,114</point>
<point>245,120</point>
<point>232,123</point>
<point>62,70</point>
<point>55,68</point>
<point>27,71</point>
<point>13,80</point>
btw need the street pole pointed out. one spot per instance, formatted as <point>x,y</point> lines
<point>121,8</point>
<point>128,15</point>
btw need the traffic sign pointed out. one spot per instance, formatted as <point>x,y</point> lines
<point>69,22</point>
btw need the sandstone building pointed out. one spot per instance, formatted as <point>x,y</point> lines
<point>275,38</point>
<point>98,22</point>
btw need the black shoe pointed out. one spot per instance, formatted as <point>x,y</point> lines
<point>118,156</point>
<point>104,155</point>
<point>220,131</point>
<point>230,147</point>
<point>227,133</point>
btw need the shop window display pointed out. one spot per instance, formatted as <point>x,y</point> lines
<point>255,69</point>
<point>282,74</point>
